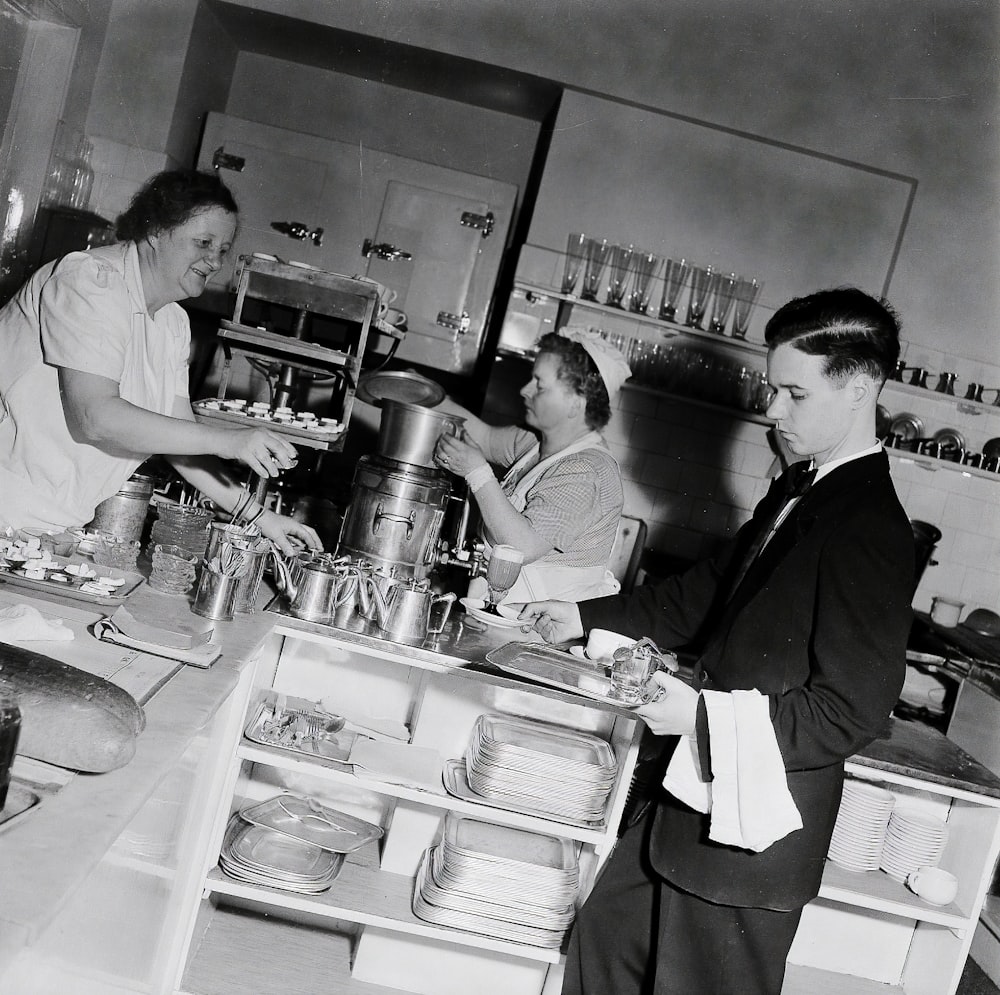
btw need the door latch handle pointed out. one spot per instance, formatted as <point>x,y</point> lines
<point>383,250</point>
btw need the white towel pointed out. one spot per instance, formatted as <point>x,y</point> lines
<point>748,796</point>
<point>21,623</point>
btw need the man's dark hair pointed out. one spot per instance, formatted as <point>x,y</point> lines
<point>854,332</point>
<point>579,372</point>
<point>169,199</point>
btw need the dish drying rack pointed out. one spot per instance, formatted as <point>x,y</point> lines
<point>307,292</point>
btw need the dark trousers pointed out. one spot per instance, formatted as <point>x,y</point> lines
<point>638,935</point>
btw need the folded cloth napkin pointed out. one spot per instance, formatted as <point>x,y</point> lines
<point>398,763</point>
<point>20,623</point>
<point>748,797</point>
<point>124,629</point>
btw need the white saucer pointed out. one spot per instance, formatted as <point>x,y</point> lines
<point>507,619</point>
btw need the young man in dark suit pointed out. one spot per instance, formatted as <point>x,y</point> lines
<point>809,604</point>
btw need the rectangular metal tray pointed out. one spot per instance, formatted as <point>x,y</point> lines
<point>71,589</point>
<point>307,820</point>
<point>557,669</point>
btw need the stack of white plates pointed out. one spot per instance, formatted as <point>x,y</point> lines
<point>861,825</point>
<point>258,855</point>
<point>912,840</point>
<point>542,767</point>
<point>498,881</point>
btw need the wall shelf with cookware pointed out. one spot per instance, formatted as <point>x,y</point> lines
<point>726,373</point>
<point>290,360</point>
<point>404,905</point>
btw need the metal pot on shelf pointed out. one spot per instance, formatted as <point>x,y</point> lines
<point>925,538</point>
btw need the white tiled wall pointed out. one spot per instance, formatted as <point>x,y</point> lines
<point>694,473</point>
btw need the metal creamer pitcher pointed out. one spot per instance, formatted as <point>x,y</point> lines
<point>408,611</point>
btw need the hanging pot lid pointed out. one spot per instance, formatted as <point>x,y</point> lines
<point>399,385</point>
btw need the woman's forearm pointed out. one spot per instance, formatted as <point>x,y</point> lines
<point>505,525</point>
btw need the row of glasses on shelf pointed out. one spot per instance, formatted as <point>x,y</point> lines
<point>631,272</point>
<point>690,371</point>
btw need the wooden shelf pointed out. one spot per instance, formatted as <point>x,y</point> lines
<point>877,891</point>
<point>669,329</point>
<point>335,773</point>
<point>365,895</point>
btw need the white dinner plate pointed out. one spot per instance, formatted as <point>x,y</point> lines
<point>507,619</point>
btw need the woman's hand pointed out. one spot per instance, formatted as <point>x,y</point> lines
<point>675,712</point>
<point>288,534</point>
<point>265,452</point>
<point>458,454</point>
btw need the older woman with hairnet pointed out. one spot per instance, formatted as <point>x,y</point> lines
<point>95,372</point>
<point>560,499</point>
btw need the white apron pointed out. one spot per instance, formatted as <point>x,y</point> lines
<point>543,581</point>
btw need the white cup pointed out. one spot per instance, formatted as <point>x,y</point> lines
<point>601,643</point>
<point>946,612</point>
<point>934,885</point>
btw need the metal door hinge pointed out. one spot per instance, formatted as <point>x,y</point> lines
<point>484,222</point>
<point>456,322</point>
<point>221,159</point>
<point>383,250</point>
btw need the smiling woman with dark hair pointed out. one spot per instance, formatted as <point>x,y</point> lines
<point>95,371</point>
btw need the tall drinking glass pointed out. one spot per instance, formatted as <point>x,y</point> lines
<point>702,281</point>
<point>722,302</point>
<point>576,252</point>
<point>674,275</point>
<point>620,260</point>
<point>502,571</point>
<point>597,255</point>
<point>746,293</point>
<point>644,267</point>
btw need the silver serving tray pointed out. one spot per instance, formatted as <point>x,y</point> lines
<point>557,669</point>
<point>306,820</point>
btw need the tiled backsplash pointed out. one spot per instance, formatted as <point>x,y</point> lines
<point>694,473</point>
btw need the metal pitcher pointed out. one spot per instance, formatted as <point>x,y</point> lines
<point>408,611</point>
<point>315,584</point>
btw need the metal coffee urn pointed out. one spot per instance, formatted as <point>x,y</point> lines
<point>399,497</point>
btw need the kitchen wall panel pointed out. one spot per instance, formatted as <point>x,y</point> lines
<point>795,220</point>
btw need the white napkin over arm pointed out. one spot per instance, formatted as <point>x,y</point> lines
<point>748,797</point>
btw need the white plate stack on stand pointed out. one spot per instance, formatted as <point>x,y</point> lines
<point>498,881</point>
<point>541,767</point>
<point>865,810</point>
<point>912,840</point>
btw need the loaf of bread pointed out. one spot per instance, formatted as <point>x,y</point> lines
<point>68,717</point>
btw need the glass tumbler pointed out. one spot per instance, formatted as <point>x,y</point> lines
<point>576,252</point>
<point>722,302</point>
<point>702,280</point>
<point>173,570</point>
<point>620,261</point>
<point>597,256</point>
<point>644,267</point>
<point>114,551</point>
<point>674,274</point>
<point>747,292</point>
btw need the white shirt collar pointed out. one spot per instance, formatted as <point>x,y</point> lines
<point>833,464</point>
